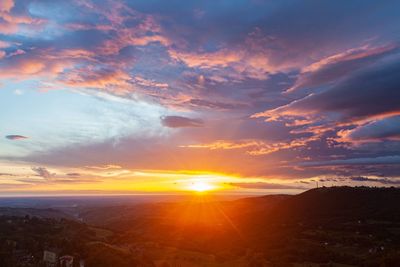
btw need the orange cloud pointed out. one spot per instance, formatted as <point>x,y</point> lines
<point>116,81</point>
<point>221,58</point>
<point>6,5</point>
<point>9,23</point>
<point>254,147</point>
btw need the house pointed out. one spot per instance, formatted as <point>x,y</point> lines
<point>66,261</point>
<point>50,258</point>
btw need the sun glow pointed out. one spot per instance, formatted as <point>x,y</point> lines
<point>201,186</point>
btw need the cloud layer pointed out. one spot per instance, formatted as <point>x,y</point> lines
<point>287,90</point>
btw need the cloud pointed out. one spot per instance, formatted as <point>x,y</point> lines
<point>58,181</point>
<point>43,172</point>
<point>378,130</point>
<point>253,147</point>
<point>367,93</point>
<point>16,137</point>
<point>6,5</point>
<point>262,185</point>
<point>180,122</point>
<point>73,174</point>
<point>253,58</point>
<point>384,181</point>
<point>34,63</point>
<point>184,57</point>
<point>226,145</point>
<point>334,67</point>
<point>11,21</point>
<point>104,167</point>
<point>215,104</point>
<point>95,77</point>
<point>6,174</point>
<point>384,160</point>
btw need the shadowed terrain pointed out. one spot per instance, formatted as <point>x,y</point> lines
<point>339,225</point>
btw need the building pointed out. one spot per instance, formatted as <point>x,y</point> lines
<point>50,258</point>
<point>66,261</point>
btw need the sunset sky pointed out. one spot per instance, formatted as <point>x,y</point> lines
<point>160,96</point>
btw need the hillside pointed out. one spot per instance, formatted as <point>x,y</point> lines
<point>35,212</point>
<point>353,226</point>
<point>342,203</point>
<point>333,203</point>
<point>342,223</point>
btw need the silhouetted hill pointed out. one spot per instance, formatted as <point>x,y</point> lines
<point>341,203</point>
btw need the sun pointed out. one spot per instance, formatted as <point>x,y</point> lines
<point>201,186</point>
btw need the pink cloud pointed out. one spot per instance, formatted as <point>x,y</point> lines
<point>6,5</point>
<point>10,23</point>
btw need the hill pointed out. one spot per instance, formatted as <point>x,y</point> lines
<point>347,224</point>
<point>341,203</point>
<point>338,225</point>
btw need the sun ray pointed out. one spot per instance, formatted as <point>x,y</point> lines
<point>201,186</point>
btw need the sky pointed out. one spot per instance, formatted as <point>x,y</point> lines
<point>152,96</point>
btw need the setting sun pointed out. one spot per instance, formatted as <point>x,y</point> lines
<point>201,186</point>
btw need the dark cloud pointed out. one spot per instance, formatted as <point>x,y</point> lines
<point>43,172</point>
<point>214,104</point>
<point>373,91</point>
<point>335,67</point>
<point>384,181</point>
<point>368,92</point>
<point>16,137</point>
<point>356,161</point>
<point>262,185</point>
<point>388,128</point>
<point>73,174</point>
<point>180,122</point>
